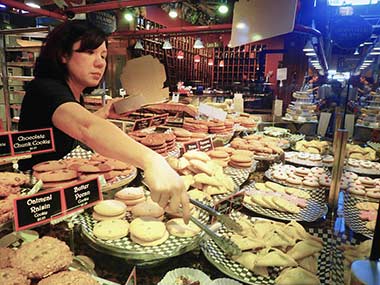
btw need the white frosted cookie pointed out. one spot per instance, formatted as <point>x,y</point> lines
<point>294,180</point>
<point>178,228</point>
<point>110,208</point>
<point>356,191</point>
<point>302,171</point>
<point>367,181</point>
<point>373,194</point>
<point>147,229</point>
<point>303,155</point>
<point>279,175</point>
<point>310,182</point>
<point>317,170</point>
<point>111,229</point>
<point>366,164</point>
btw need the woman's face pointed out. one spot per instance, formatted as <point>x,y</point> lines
<point>86,69</point>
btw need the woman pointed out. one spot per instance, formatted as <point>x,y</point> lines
<point>72,59</point>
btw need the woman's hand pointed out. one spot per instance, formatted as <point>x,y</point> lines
<point>167,187</point>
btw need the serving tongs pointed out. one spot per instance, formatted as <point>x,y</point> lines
<point>223,219</point>
<point>225,244</point>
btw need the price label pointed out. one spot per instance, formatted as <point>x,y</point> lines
<point>159,120</point>
<point>206,144</point>
<point>141,124</point>
<point>190,146</point>
<point>82,195</point>
<point>32,142</point>
<point>5,145</point>
<point>37,209</point>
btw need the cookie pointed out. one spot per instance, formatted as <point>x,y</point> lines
<point>147,209</point>
<point>50,165</point>
<point>58,175</point>
<point>69,278</point>
<point>42,257</point>
<point>13,276</point>
<point>130,193</point>
<point>146,229</point>
<point>218,154</point>
<point>6,190</point>
<point>150,243</point>
<point>15,179</point>
<point>98,167</point>
<point>238,158</point>
<point>98,217</point>
<point>6,254</point>
<point>111,229</point>
<point>201,166</point>
<point>177,227</point>
<point>110,208</point>
<point>196,154</point>
<point>59,184</point>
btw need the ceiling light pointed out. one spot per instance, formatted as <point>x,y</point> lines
<point>221,63</point>
<point>377,46</point>
<point>2,6</point>
<point>167,45</point>
<point>173,13</point>
<point>198,43</point>
<point>32,4</point>
<point>356,52</point>
<point>139,45</point>
<point>374,53</point>
<point>308,47</point>
<point>310,54</point>
<point>210,62</point>
<point>128,16</point>
<point>197,58</point>
<point>223,8</point>
<point>180,54</point>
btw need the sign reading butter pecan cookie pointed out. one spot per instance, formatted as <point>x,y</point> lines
<point>42,257</point>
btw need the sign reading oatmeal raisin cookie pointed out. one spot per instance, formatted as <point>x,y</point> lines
<point>82,195</point>
<point>32,142</point>
<point>30,211</point>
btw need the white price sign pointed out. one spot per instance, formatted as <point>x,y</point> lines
<point>212,112</point>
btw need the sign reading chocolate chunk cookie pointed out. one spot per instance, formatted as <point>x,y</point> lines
<point>37,209</point>
<point>34,141</point>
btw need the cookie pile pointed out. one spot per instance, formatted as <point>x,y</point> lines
<point>364,164</point>
<point>298,176</point>
<point>161,143</point>
<point>109,210</point>
<point>368,212</point>
<point>259,148</point>
<point>199,171</point>
<point>63,173</point>
<point>130,196</point>
<point>313,146</point>
<point>195,126</point>
<point>225,156</point>
<point>277,197</point>
<point>358,152</point>
<point>10,185</point>
<point>365,187</point>
<point>37,259</point>
<point>309,158</point>
<point>274,244</point>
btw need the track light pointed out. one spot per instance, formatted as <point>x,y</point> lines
<point>173,13</point>
<point>32,4</point>
<point>210,62</point>
<point>356,52</point>
<point>139,45</point>
<point>166,45</point>
<point>308,47</point>
<point>128,16</point>
<point>223,8</point>
<point>198,43</point>
<point>197,58</point>
<point>221,63</point>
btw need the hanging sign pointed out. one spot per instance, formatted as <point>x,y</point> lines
<point>105,20</point>
<point>350,31</point>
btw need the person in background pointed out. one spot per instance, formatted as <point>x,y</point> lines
<point>364,88</point>
<point>73,58</point>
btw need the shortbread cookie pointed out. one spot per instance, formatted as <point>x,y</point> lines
<point>147,229</point>
<point>178,228</point>
<point>58,175</point>
<point>50,165</point>
<point>196,154</point>
<point>13,276</point>
<point>42,257</point>
<point>130,193</point>
<point>111,229</point>
<point>150,243</point>
<point>69,278</point>
<point>110,208</point>
<point>6,254</point>
<point>99,217</point>
<point>147,209</point>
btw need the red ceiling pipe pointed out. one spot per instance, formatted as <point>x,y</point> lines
<point>175,30</point>
<point>117,5</point>
<point>38,11</point>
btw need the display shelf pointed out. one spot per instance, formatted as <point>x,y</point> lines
<point>370,112</point>
<point>20,64</point>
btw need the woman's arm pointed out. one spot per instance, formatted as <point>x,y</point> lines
<point>105,138</point>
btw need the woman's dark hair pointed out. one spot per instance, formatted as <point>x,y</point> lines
<point>60,43</point>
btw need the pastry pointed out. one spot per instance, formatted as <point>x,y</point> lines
<point>296,276</point>
<point>305,248</point>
